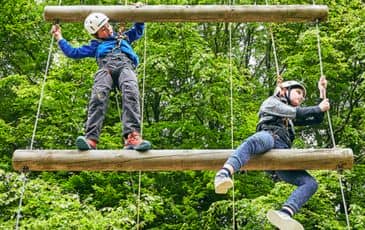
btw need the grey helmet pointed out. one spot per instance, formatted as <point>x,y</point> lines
<point>290,85</point>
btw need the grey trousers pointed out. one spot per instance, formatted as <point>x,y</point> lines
<point>115,70</point>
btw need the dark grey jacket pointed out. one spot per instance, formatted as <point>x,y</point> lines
<point>278,117</point>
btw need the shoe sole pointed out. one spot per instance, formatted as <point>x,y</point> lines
<point>223,186</point>
<point>144,146</point>
<point>82,144</point>
<point>282,224</point>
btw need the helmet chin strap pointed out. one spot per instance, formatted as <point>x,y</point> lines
<point>287,95</point>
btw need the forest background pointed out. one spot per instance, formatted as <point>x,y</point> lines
<point>186,106</point>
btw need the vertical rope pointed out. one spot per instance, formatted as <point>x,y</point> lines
<point>142,115</point>
<point>329,120</point>
<point>144,77</point>
<point>120,114</point>
<point>279,79</point>
<point>231,82</point>
<point>23,174</point>
<point>322,75</point>
<point>344,201</point>
<point>231,115</point>
<point>18,215</point>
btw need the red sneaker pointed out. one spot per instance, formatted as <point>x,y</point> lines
<point>135,141</point>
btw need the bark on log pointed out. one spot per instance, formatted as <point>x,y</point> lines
<point>177,160</point>
<point>190,13</point>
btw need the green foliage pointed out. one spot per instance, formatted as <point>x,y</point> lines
<point>47,206</point>
<point>187,105</point>
<point>24,37</point>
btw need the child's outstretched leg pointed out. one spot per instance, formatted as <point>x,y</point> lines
<point>307,186</point>
<point>258,143</point>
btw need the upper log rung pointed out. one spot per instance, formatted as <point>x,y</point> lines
<point>188,13</point>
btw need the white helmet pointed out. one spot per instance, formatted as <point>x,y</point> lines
<point>94,22</point>
<point>290,85</point>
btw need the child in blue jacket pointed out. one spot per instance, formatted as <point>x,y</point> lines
<point>277,116</point>
<point>117,62</point>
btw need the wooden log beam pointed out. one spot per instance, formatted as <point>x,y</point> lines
<point>177,160</point>
<point>192,13</point>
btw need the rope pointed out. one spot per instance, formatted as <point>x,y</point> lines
<point>23,177</point>
<point>23,174</point>
<point>231,115</point>
<point>344,201</point>
<point>119,113</point>
<point>322,75</point>
<point>42,91</point>
<point>142,115</point>
<point>329,120</point>
<point>121,30</point>
<point>279,78</point>
<point>144,76</point>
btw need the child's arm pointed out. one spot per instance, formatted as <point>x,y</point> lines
<point>135,32</point>
<point>70,51</point>
<point>79,52</point>
<point>314,114</point>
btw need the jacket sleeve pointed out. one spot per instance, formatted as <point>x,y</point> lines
<point>309,115</point>
<point>135,32</point>
<point>79,52</point>
<point>300,115</point>
<point>273,106</point>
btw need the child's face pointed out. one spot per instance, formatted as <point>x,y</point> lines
<point>296,97</point>
<point>105,31</point>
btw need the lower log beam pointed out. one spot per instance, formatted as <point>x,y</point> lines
<point>177,160</point>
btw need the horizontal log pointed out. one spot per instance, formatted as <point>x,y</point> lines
<point>190,13</point>
<point>177,160</point>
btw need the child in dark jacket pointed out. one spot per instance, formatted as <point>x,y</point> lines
<point>117,62</point>
<point>277,116</point>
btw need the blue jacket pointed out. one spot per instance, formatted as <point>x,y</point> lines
<point>100,48</point>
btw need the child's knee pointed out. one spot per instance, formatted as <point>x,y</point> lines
<point>263,140</point>
<point>312,185</point>
<point>100,94</point>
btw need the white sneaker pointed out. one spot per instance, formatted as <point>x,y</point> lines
<point>283,221</point>
<point>222,183</point>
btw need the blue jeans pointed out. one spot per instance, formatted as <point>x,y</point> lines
<point>262,142</point>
